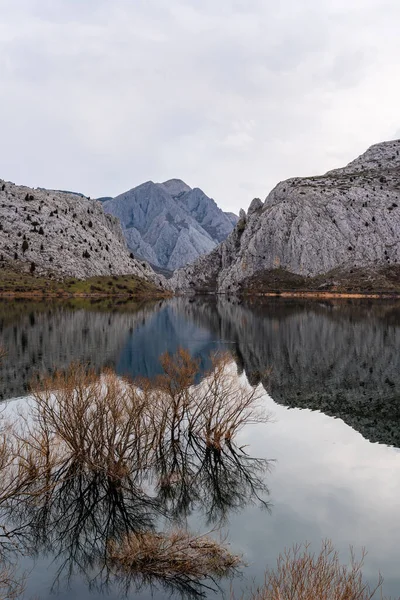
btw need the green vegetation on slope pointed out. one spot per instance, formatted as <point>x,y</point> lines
<point>16,283</point>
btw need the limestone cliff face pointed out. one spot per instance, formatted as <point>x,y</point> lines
<point>346,219</point>
<point>169,224</point>
<point>63,233</point>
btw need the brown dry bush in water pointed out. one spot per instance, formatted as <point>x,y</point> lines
<point>168,556</point>
<point>213,410</point>
<point>117,426</point>
<point>94,421</point>
<point>11,586</point>
<point>302,575</point>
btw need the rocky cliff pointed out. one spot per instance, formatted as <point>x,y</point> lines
<point>64,234</point>
<point>169,224</point>
<point>340,226</point>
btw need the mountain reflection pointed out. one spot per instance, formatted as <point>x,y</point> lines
<point>340,357</point>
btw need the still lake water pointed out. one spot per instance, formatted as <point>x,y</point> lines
<point>331,374</point>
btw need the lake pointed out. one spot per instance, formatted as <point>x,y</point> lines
<point>329,372</point>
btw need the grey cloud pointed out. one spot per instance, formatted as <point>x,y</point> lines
<point>100,95</point>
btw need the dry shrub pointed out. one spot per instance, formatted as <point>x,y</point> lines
<point>214,410</point>
<point>222,405</point>
<point>149,447</point>
<point>166,556</point>
<point>302,575</point>
<point>96,421</point>
<point>115,426</point>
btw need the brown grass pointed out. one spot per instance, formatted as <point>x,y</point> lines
<point>302,575</point>
<point>16,283</point>
<point>166,556</point>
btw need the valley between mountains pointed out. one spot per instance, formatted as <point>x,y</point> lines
<point>338,232</point>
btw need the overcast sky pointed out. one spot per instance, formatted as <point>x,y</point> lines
<point>231,96</point>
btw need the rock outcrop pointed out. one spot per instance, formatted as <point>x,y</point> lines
<point>343,222</point>
<point>169,224</point>
<point>63,234</point>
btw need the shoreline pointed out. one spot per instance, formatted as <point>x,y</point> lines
<point>328,295</point>
<point>67,296</point>
<point>63,295</point>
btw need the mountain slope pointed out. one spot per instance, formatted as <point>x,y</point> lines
<point>326,228</point>
<point>64,234</point>
<point>169,224</point>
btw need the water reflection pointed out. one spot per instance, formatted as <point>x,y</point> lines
<point>338,357</point>
<point>100,459</point>
<point>341,358</point>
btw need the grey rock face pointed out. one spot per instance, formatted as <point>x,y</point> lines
<point>169,224</point>
<point>347,218</point>
<point>63,233</point>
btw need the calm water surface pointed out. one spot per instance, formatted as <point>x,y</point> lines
<point>331,375</point>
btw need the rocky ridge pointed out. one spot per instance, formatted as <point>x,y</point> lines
<point>334,224</point>
<point>170,224</point>
<point>63,234</point>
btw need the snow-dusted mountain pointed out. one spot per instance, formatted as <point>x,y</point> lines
<point>170,224</point>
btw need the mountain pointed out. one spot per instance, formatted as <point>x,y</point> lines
<point>63,233</point>
<point>338,231</point>
<point>170,224</point>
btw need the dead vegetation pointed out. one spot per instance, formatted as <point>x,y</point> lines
<point>302,575</point>
<point>117,426</point>
<point>95,458</point>
<point>12,584</point>
<point>176,556</point>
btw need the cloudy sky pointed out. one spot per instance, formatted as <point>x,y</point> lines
<point>232,96</point>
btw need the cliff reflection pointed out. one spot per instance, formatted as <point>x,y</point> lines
<point>341,357</point>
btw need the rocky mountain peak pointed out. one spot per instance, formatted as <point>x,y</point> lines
<point>324,228</point>
<point>175,187</point>
<point>255,205</point>
<point>385,155</point>
<point>170,224</point>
